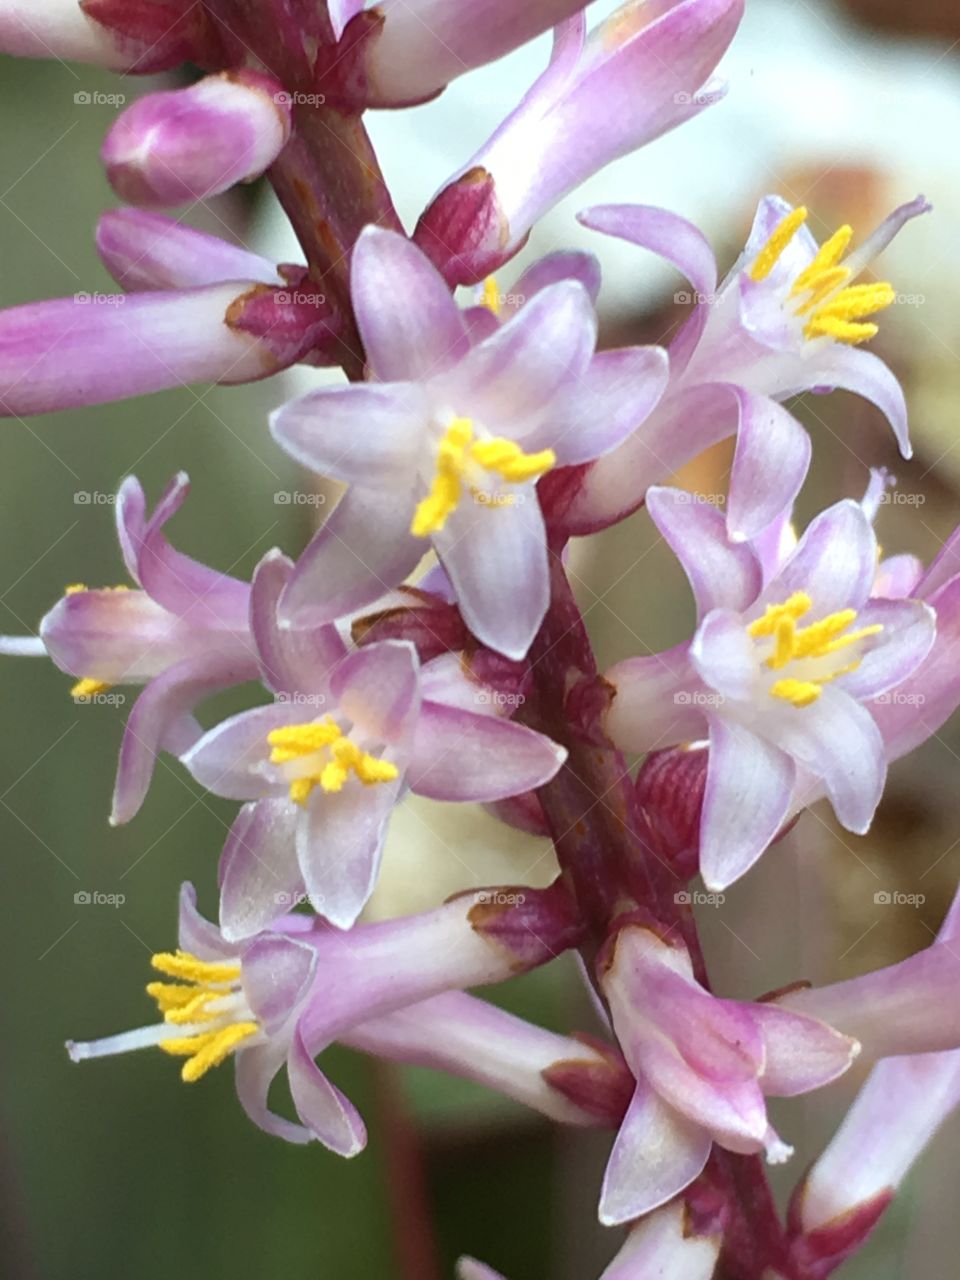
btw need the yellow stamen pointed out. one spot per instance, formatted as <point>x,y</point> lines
<point>457,455</point>
<point>783,233</point>
<point>828,256</point>
<point>76,588</point>
<point>297,741</point>
<point>87,688</point>
<point>491,295</point>
<point>198,997</point>
<point>819,639</point>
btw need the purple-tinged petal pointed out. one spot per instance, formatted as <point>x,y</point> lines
<point>471,1269</point>
<point>944,567</point>
<point>363,550</point>
<point>277,972</point>
<point>184,586</point>
<point>657,701</point>
<point>66,353</point>
<point>340,845</point>
<point>23,647</point>
<point>178,146</point>
<point>657,1153</point>
<point>836,739</point>
<point>770,463</point>
<point>341,11</point>
<point>161,720</point>
<point>362,434</point>
<point>734,1112</point>
<point>722,574</point>
<point>909,630</point>
<point>668,1244</point>
<point>260,878</point>
<point>746,801</point>
<point>329,1116</point>
<point>233,760</point>
<point>898,577</point>
<point>195,933</point>
<point>802,1053</point>
<point>377,687</point>
<point>255,1072</point>
<point>680,243</point>
<point>410,325</point>
<point>615,394</point>
<point>293,660</point>
<point>563,264</point>
<point>510,380</point>
<point>852,369</point>
<point>69,31</point>
<point>722,653</point>
<point>834,563</point>
<point>459,755</point>
<point>120,637</point>
<point>131,520</point>
<point>496,558</point>
<point>150,251</point>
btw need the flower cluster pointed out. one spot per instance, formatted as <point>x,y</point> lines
<point>427,642</point>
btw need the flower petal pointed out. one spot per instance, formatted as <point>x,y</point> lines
<point>834,563</point>
<point>378,688</point>
<point>363,549</point>
<point>657,701</point>
<point>233,759</point>
<point>459,755</point>
<point>722,574</point>
<point>369,434</point>
<point>255,1072</point>
<point>770,463</point>
<point>746,801</point>
<point>330,1117</point>
<point>909,630</point>
<point>410,325</point>
<point>722,654</point>
<point>802,1053</point>
<point>260,877</point>
<point>852,369</point>
<point>277,973</point>
<point>657,1153</point>
<point>293,660</point>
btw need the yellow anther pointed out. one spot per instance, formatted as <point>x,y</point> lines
<point>75,589</point>
<point>209,1049</point>
<point>783,233</point>
<point>187,968</point>
<point>299,741</point>
<point>819,639</point>
<point>491,295</point>
<point>800,692</point>
<point>825,285</point>
<point>86,688</point>
<point>828,256</point>
<point>459,459</point>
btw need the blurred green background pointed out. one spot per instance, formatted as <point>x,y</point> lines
<point>115,1168</point>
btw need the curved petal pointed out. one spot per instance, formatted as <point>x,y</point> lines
<point>130,514</point>
<point>339,845</point>
<point>723,655</point>
<point>680,243</point>
<point>657,1153</point>
<point>410,325</point>
<point>615,394</point>
<point>852,369</point>
<point>293,660</point>
<point>496,558</point>
<point>120,637</point>
<point>277,974</point>
<point>330,1117</point>
<point>658,701</point>
<point>369,434</point>
<point>836,739</point>
<point>364,549</point>
<point>722,574</point>
<point>255,1072</point>
<point>509,380</point>
<point>233,759</point>
<point>378,688</point>
<point>909,630</point>
<point>802,1053</point>
<point>770,463</point>
<point>195,933</point>
<point>460,755</point>
<point>260,877</point>
<point>160,719</point>
<point>746,801</point>
<point>563,264</point>
<point>834,563</point>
